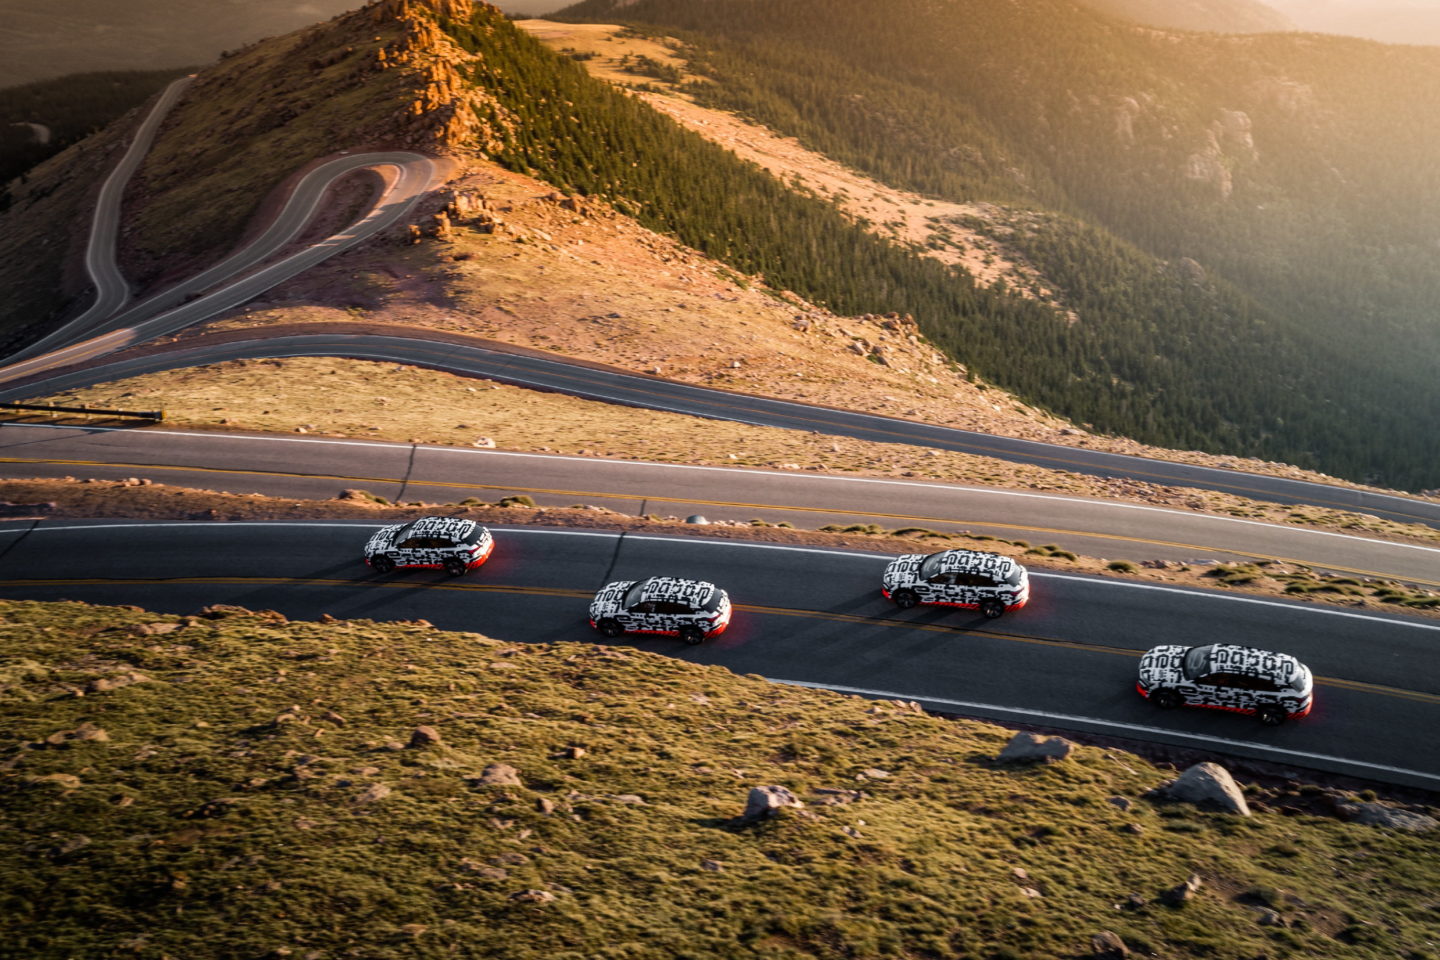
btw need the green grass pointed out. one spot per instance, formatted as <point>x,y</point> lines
<point>223,817</point>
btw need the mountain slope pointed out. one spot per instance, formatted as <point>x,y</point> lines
<point>1247,161</point>
<point>1216,16</point>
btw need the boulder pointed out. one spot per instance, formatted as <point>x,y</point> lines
<point>764,802</point>
<point>1030,746</point>
<point>1384,815</point>
<point>1184,892</point>
<point>1207,785</point>
<point>499,775</point>
<point>1107,945</point>
<point>424,736</point>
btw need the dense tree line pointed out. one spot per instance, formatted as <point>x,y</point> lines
<point>72,107</point>
<point>1316,216</point>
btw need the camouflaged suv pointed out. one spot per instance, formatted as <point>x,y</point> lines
<point>452,544</point>
<point>689,609</point>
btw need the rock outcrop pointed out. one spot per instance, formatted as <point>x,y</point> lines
<point>1209,786</point>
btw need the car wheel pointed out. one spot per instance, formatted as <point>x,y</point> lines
<point>692,635</point>
<point>609,628</point>
<point>992,608</point>
<point>1166,699</point>
<point>382,564</point>
<point>456,567</point>
<point>1270,716</point>
<point>904,599</point>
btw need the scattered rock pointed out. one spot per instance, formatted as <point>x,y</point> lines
<point>1384,815</point>
<point>629,798</point>
<point>86,731</point>
<point>1134,828</point>
<point>533,896</point>
<point>219,611</point>
<point>1031,746</point>
<point>572,753</point>
<point>499,775</point>
<point>714,866</point>
<point>545,805</point>
<point>1030,893</point>
<point>115,681</point>
<point>372,793</point>
<point>1124,803</point>
<point>152,629</point>
<point>1269,918</point>
<point>1183,893</point>
<point>486,442</point>
<point>1207,785</point>
<point>1107,945</point>
<point>873,774</point>
<point>64,781</point>
<point>830,796</point>
<point>424,736</point>
<point>764,802</point>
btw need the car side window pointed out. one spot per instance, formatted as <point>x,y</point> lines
<point>441,542</point>
<point>942,579</point>
<point>974,580</point>
<point>1214,680</point>
<point>646,607</point>
<point>672,606</point>
<point>411,544</point>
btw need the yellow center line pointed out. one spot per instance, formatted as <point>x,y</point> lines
<point>737,504</point>
<point>884,622</point>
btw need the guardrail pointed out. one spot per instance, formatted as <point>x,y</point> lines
<point>53,409</point>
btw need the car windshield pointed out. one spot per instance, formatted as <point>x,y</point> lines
<point>1014,576</point>
<point>930,566</point>
<point>632,596</point>
<point>404,531</point>
<point>713,604</point>
<point>1197,661</point>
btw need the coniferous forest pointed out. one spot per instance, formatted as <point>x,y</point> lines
<point>1296,170</point>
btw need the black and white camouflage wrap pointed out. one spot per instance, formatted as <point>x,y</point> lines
<point>961,578</point>
<point>431,542</point>
<point>664,605</point>
<point>1227,676</point>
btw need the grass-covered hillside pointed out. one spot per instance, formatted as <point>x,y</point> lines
<point>236,786</point>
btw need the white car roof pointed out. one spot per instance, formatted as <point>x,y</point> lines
<point>456,528</point>
<point>973,561</point>
<point>1233,658</point>
<point>693,592</point>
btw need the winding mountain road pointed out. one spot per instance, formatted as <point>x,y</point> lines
<point>316,468</point>
<point>804,615</point>
<point>594,381</point>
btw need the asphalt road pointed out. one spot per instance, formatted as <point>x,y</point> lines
<point>111,290</point>
<point>414,175</point>
<point>598,383</point>
<point>1067,660</point>
<point>317,468</point>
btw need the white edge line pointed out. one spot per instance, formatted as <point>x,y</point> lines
<point>1140,728</point>
<point>984,491</point>
<point>1102,581</point>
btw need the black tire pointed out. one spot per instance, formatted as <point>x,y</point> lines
<point>1166,699</point>
<point>992,609</point>
<point>692,635</point>
<point>456,567</point>
<point>609,628</point>
<point>904,599</point>
<point>382,564</point>
<point>1271,716</point>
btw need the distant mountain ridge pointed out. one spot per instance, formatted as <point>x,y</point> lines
<point>1216,16</point>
